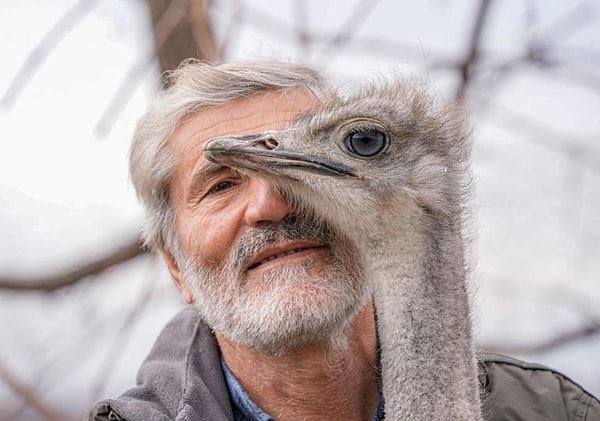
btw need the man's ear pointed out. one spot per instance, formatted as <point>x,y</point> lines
<point>177,276</point>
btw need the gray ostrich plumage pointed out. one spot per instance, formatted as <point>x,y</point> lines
<point>390,168</point>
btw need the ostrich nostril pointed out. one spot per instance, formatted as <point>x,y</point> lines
<point>265,143</point>
<point>271,143</point>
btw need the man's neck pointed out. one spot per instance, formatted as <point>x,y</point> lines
<point>318,382</point>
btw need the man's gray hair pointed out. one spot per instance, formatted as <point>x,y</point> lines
<point>192,87</point>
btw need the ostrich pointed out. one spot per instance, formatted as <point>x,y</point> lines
<point>390,168</point>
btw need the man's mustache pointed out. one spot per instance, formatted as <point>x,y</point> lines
<point>299,226</point>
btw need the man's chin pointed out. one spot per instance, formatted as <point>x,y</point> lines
<point>282,307</point>
<point>289,320</point>
<point>277,344</point>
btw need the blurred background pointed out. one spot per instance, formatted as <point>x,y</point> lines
<point>81,304</point>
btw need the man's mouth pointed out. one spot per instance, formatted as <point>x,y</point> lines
<point>276,256</point>
<point>273,254</point>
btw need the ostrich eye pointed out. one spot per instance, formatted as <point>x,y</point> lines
<point>366,143</point>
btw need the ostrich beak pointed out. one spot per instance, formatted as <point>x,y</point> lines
<point>262,152</point>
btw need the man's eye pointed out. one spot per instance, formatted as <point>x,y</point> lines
<point>220,186</point>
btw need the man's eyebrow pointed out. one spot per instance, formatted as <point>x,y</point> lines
<point>200,177</point>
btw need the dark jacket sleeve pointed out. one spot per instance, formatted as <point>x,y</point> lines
<point>515,390</point>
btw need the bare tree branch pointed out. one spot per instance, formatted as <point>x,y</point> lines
<point>235,22</point>
<point>170,26</point>
<point>164,27</point>
<point>203,33</point>
<point>267,23</point>
<point>40,53</point>
<point>301,28</point>
<point>566,338</point>
<point>548,137</point>
<point>466,67</point>
<point>542,53</point>
<point>333,41</point>
<point>585,79</point>
<point>276,27</point>
<point>122,96</point>
<point>123,336</point>
<point>178,37</point>
<point>587,57</point>
<point>575,20</point>
<point>394,48</point>
<point>195,40</point>
<point>50,283</point>
<point>348,29</point>
<point>30,396</point>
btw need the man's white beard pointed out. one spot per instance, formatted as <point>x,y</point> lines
<point>310,301</point>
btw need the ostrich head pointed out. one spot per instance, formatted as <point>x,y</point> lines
<point>384,151</point>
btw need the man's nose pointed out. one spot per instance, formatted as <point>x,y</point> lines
<point>265,205</point>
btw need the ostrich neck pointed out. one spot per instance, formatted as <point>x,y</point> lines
<point>422,304</point>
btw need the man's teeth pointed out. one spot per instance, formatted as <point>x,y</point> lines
<point>276,256</point>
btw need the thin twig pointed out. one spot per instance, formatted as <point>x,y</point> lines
<point>123,336</point>
<point>127,252</point>
<point>544,54</point>
<point>548,137</point>
<point>164,27</point>
<point>275,27</point>
<point>347,30</point>
<point>575,335</point>
<point>30,396</point>
<point>573,21</point>
<point>585,78</point>
<point>267,23</point>
<point>235,23</point>
<point>203,33</point>
<point>300,15</point>
<point>42,51</point>
<point>470,61</point>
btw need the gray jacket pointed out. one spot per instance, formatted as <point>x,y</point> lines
<point>182,380</point>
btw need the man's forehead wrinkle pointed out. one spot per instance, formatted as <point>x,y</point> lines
<point>247,122</point>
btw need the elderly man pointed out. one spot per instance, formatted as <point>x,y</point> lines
<point>280,324</point>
